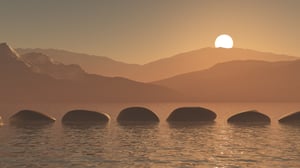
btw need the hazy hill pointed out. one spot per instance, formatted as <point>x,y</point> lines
<point>160,69</point>
<point>241,81</point>
<point>200,60</point>
<point>92,64</point>
<point>43,64</point>
<point>21,82</point>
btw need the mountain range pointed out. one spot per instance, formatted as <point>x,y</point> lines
<point>90,63</point>
<point>160,69</point>
<point>34,77</point>
<point>208,74</point>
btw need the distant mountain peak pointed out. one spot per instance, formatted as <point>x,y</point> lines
<point>38,58</point>
<point>42,64</point>
<point>8,51</point>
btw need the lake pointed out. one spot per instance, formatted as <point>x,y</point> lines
<point>162,145</point>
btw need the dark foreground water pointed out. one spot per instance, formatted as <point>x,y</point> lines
<point>162,145</point>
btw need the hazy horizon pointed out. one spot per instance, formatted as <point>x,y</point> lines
<point>154,60</point>
<point>142,31</point>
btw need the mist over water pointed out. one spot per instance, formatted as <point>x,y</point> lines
<point>159,145</point>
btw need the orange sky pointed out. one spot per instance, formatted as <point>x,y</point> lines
<point>138,31</point>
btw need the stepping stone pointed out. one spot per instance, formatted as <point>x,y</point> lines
<point>293,118</point>
<point>252,116</point>
<point>191,114</point>
<point>137,114</point>
<point>85,117</point>
<point>30,117</point>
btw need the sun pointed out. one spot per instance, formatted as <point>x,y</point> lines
<point>224,41</point>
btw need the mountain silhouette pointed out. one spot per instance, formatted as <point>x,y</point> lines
<point>241,81</point>
<point>24,79</point>
<point>92,64</point>
<point>43,64</point>
<point>200,60</point>
<point>164,68</point>
<point>11,61</point>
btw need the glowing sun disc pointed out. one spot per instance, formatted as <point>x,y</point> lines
<point>224,41</point>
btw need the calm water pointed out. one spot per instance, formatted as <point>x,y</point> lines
<point>161,145</point>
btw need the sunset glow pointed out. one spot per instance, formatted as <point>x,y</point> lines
<point>224,41</point>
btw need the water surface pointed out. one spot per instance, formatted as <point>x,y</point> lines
<point>158,145</point>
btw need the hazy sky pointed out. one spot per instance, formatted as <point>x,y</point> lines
<point>138,31</point>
